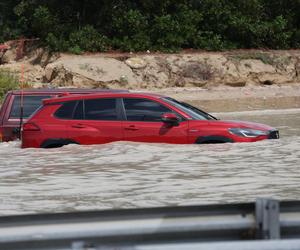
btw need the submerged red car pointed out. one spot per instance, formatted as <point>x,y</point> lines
<point>107,117</point>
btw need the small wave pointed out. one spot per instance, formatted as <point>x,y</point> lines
<point>128,174</point>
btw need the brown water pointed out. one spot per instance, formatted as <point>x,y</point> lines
<point>124,174</point>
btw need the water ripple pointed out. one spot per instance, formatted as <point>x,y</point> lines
<point>126,174</point>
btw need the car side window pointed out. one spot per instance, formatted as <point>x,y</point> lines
<point>138,109</point>
<point>100,109</point>
<point>66,110</point>
<point>30,104</point>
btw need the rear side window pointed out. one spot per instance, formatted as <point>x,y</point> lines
<point>144,110</point>
<point>96,109</point>
<point>100,109</point>
<point>66,110</point>
<point>30,105</point>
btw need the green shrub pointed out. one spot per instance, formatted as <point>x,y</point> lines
<point>296,39</point>
<point>277,34</point>
<point>166,33</point>
<point>255,33</point>
<point>56,43</point>
<point>43,22</point>
<point>139,42</point>
<point>207,40</point>
<point>131,31</point>
<point>189,21</point>
<point>167,25</point>
<point>129,23</point>
<point>88,39</point>
<point>7,33</point>
<point>173,32</point>
<point>8,81</point>
<point>75,50</point>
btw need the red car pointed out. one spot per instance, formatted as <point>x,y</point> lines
<point>10,110</point>
<point>107,117</point>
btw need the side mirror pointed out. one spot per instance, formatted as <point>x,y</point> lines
<point>170,118</point>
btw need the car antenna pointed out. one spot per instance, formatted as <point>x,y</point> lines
<point>21,102</point>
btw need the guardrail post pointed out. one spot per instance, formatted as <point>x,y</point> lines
<point>78,245</point>
<point>82,245</point>
<point>267,219</point>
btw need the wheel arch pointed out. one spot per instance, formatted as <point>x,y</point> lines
<point>57,142</point>
<point>213,139</point>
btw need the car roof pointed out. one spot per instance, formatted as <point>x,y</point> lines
<point>101,95</point>
<point>62,90</point>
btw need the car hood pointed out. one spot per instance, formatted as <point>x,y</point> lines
<point>240,124</point>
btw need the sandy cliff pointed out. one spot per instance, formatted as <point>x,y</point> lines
<point>253,76</point>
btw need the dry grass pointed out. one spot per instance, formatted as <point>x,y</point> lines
<point>198,70</point>
<point>8,81</point>
<point>264,57</point>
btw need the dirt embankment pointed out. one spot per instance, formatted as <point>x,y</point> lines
<point>225,81</point>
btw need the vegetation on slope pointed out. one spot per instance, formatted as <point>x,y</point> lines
<point>8,81</point>
<point>164,25</point>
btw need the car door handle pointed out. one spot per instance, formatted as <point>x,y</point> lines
<point>78,126</point>
<point>131,127</point>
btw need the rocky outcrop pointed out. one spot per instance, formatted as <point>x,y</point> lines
<point>236,68</point>
<point>88,70</point>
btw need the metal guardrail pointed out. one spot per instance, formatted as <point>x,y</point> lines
<point>259,224</point>
<point>238,245</point>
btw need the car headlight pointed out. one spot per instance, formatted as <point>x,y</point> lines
<point>247,132</point>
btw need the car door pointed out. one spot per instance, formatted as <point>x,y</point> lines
<point>143,122</point>
<point>96,121</point>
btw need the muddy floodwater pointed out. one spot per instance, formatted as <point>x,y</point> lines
<point>126,175</point>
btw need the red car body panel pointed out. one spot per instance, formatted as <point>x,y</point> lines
<point>94,132</point>
<point>155,132</point>
<point>83,131</point>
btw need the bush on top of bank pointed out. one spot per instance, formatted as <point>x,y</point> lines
<point>156,25</point>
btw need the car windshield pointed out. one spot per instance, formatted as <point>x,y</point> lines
<point>195,113</point>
